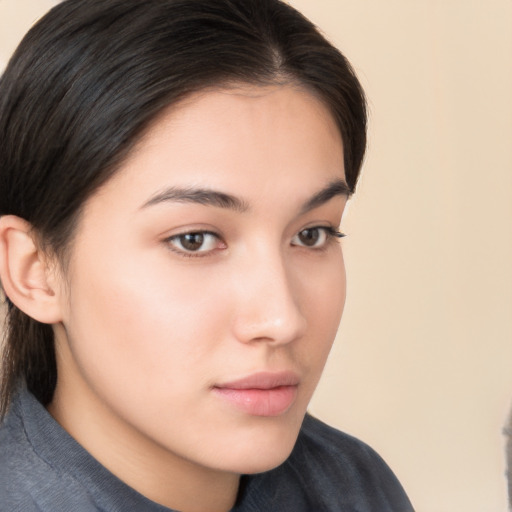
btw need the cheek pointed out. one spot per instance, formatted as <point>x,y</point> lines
<point>145,328</point>
<point>324,293</point>
<point>323,299</point>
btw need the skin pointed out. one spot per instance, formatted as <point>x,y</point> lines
<point>147,329</point>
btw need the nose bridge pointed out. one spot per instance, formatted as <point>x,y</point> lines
<point>268,306</point>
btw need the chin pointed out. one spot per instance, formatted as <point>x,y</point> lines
<point>263,450</point>
<point>261,461</point>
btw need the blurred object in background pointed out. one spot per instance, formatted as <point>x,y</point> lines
<point>508,433</point>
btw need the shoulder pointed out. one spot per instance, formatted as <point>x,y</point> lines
<point>29,482</point>
<point>319,443</point>
<point>330,471</point>
<point>347,469</point>
<point>15,455</point>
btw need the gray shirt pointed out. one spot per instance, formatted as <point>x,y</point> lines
<point>43,469</point>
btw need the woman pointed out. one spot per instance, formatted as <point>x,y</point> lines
<point>173,177</point>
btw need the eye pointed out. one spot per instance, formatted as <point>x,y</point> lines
<point>316,237</point>
<point>195,243</point>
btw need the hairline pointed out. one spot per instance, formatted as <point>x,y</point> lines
<point>280,79</point>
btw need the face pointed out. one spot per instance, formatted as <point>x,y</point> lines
<point>206,283</point>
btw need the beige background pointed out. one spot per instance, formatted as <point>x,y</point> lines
<point>422,369</point>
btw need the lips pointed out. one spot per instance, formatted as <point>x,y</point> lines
<point>260,394</point>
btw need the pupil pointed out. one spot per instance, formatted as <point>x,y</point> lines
<point>309,236</point>
<point>192,241</point>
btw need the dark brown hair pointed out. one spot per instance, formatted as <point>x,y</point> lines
<point>90,77</point>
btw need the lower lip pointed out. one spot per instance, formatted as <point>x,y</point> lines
<point>260,402</point>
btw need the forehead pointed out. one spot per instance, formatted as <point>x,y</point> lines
<point>240,140</point>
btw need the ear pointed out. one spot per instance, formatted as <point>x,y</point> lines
<point>27,278</point>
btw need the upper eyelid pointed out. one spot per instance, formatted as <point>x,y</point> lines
<point>193,232</point>
<point>204,231</point>
<point>328,227</point>
<point>190,231</point>
<point>330,230</point>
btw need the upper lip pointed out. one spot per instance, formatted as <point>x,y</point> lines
<point>262,380</point>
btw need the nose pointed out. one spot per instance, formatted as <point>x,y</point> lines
<point>267,302</point>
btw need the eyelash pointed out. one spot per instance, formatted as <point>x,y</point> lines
<point>331,234</point>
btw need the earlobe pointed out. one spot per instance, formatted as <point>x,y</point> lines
<point>25,273</point>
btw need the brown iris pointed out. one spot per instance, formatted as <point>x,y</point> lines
<point>192,241</point>
<point>309,237</point>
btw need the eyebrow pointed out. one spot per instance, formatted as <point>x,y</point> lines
<point>337,187</point>
<point>199,196</point>
<point>222,200</point>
